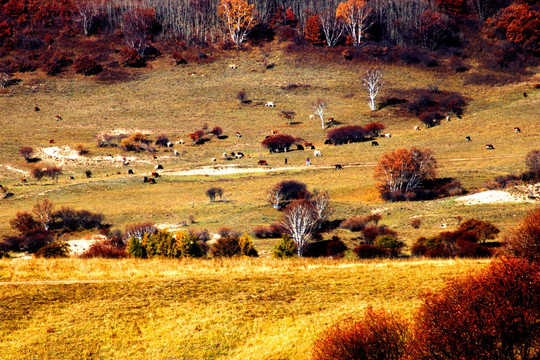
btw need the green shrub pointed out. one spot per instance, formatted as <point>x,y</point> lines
<point>188,245</point>
<point>285,248</point>
<point>246,246</point>
<point>390,243</point>
<point>54,249</point>
<point>135,247</point>
<point>161,243</point>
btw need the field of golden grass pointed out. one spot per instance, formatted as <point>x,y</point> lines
<point>178,100</point>
<point>197,309</point>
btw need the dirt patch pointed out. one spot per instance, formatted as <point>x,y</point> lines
<point>234,169</point>
<point>78,246</point>
<point>65,155</point>
<point>493,197</point>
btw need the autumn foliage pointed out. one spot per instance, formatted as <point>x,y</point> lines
<point>524,240</point>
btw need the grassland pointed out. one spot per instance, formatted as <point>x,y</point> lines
<point>169,309</point>
<point>177,100</point>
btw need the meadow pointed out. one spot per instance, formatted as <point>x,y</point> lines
<point>196,309</point>
<point>176,100</point>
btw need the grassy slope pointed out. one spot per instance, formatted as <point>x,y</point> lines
<point>168,309</point>
<point>177,100</point>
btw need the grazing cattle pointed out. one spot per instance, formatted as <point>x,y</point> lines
<point>154,156</point>
<point>228,158</point>
<point>51,141</point>
<point>299,147</point>
<point>447,117</point>
<point>23,180</point>
<point>331,119</point>
<point>317,153</point>
<point>238,135</point>
<point>169,144</point>
<point>180,141</point>
<point>311,117</point>
<point>145,179</point>
<point>327,142</point>
<point>262,162</point>
<point>158,167</point>
<point>525,94</point>
<point>57,118</point>
<point>387,135</point>
<point>468,138</point>
<point>214,159</point>
<point>459,117</point>
<point>151,181</point>
<point>130,172</point>
<point>338,167</point>
<point>233,66</point>
<point>72,178</point>
<point>306,144</point>
<point>312,147</point>
<point>417,128</point>
<point>176,153</point>
<point>270,104</point>
<point>517,130</point>
<point>490,147</point>
<point>274,132</point>
<point>374,143</point>
<point>225,155</point>
<point>239,155</point>
<point>36,108</point>
<point>155,174</point>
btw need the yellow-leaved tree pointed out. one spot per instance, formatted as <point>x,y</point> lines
<point>355,14</point>
<point>239,16</point>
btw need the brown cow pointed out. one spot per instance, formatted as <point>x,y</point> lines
<point>262,162</point>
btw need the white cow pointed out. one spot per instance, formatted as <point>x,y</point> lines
<point>270,104</point>
<point>317,153</point>
<point>233,66</point>
<point>311,117</point>
<point>417,128</point>
<point>176,153</point>
<point>387,135</point>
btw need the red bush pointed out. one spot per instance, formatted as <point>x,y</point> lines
<point>365,251</point>
<point>524,240</point>
<point>86,65</point>
<point>347,134</point>
<point>24,222</point>
<point>490,316</point>
<point>103,250</point>
<point>376,336</point>
<point>279,143</point>
<point>374,129</point>
<point>131,58</point>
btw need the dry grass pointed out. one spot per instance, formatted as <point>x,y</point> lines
<point>168,309</point>
<point>178,100</point>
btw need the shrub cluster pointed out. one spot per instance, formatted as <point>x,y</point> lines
<point>86,65</point>
<point>233,245</point>
<point>274,230</point>
<point>279,143</point>
<point>348,134</point>
<point>163,244</point>
<point>462,242</point>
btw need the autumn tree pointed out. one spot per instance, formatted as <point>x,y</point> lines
<point>524,240</point>
<point>26,152</point>
<point>288,115</point>
<point>373,82</point>
<point>355,14</point>
<point>44,210</point>
<point>532,160</point>
<point>483,230</point>
<point>320,108</point>
<point>433,29</point>
<point>331,25</point>
<point>321,204</point>
<point>404,170</point>
<point>312,31</point>
<point>239,17</point>
<point>520,24</point>
<point>300,219</point>
<point>285,191</point>
<point>139,28</point>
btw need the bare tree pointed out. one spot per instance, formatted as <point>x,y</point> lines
<point>44,212</point>
<point>26,152</point>
<point>320,108</point>
<point>332,26</point>
<point>373,83</point>
<point>321,202</point>
<point>300,219</point>
<point>287,115</point>
<point>86,14</point>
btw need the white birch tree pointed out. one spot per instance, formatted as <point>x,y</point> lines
<point>373,82</point>
<point>300,219</point>
<point>320,107</point>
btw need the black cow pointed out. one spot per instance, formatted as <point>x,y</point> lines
<point>490,147</point>
<point>374,143</point>
<point>338,167</point>
<point>151,181</point>
<point>299,147</point>
<point>327,142</point>
<point>130,172</point>
<point>468,138</point>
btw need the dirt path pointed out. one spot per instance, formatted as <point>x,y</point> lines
<point>61,282</point>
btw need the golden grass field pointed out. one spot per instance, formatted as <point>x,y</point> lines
<point>196,309</point>
<point>178,100</point>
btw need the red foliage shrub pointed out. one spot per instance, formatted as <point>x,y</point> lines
<point>416,222</point>
<point>524,240</point>
<point>355,223</point>
<point>370,232</point>
<point>518,23</point>
<point>55,64</point>
<point>313,32</point>
<point>347,134</point>
<point>131,58</point>
<point>24,223</point>
<point>482,230</point>
<point>274,230</point>
<point>490,316</point>
<point>102,249</point>
<point>86,65</point>
<point>365,251</point>
<point>376,336</point>
<point>216,131</point>
<point>374,129</point>
<point>454,6</point>
<point>228,246</point>
<point>279,143</point>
